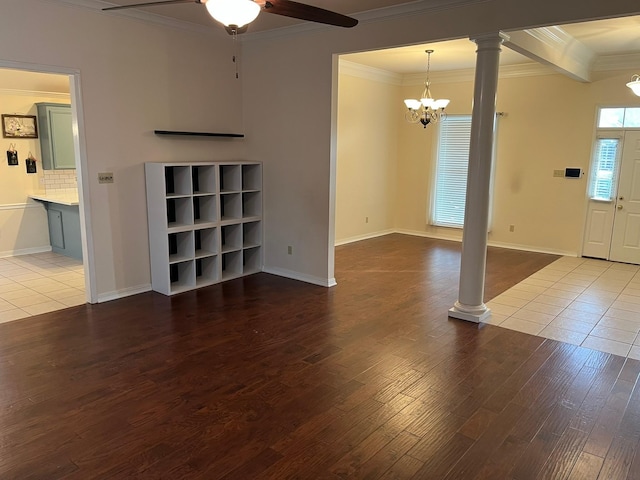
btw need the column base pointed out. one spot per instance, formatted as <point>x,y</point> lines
<point>470,314</point>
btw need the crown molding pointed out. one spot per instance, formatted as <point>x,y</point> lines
<point>623,61</point>
<point>369,16</point>
<point>370,73</point>
<point>34,93</point>
<point>468,74</point>
<point>98,5</point>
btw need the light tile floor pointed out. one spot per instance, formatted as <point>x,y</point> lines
<point>39,283</point>
<point>593,303</point>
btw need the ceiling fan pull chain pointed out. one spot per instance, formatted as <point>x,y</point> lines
<point>235,50</point>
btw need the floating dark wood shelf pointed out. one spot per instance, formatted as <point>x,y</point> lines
<point>198,134</point>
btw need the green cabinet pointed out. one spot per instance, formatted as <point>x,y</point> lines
<point>56,136</point>
<point>64,229</point>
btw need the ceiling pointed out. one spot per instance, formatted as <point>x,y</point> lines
<point>197,14</point>
<point>603,37</point>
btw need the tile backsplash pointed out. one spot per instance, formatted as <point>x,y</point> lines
<point>60,181</point>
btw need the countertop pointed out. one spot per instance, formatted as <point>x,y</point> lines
<point>67,198</point>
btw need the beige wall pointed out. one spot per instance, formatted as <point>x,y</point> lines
<point>548,213</point>
<point>23,222</point>
<point>135,77</point>
<point>297,143</point>
<point>367,163</point>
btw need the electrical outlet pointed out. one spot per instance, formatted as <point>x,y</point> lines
<point>558,173</point>
<point>512,228</point>
<point>290,250</point>
<point>106,177</point>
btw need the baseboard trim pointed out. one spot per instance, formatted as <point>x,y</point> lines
<point>490,243</point>
<point>24,251</point>
<point>281,272</point>
<point>125,292</point>
<point>366,236</point>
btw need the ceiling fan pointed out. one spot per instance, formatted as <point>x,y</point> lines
<point>236,15</point>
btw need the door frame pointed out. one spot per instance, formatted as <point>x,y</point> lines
<point>82,170</point>
<point>596,133</point>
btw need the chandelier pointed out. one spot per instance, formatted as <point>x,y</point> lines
<point>426,110</point>
<point>634,84</point>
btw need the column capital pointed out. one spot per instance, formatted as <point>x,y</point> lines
<point>490,38</point>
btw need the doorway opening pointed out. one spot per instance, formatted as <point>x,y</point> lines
<point>34,278</point>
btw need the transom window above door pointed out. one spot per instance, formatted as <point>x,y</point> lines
<point>619,117</point>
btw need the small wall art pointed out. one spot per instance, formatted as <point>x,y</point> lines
<point>12,155</point>
<point>19,126</point>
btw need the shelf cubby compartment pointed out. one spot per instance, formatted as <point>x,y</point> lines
<point>204,209</point>
<point>177,180</point>
<point>251,234</point>
<point>231,237</point>
<point>179,212</point>
<point>251,177</point>
<point>205,242</point>
<point>203,178</point>
<point>251,261</point>
<point>230,178</point>
<point>207,272</point>
<point>251,204</point>
<point>231,265</point>
<point>230,206</point>
<point>182,276</point>
<point>180,246</point>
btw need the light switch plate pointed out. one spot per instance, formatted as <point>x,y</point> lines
<point>106,177</point>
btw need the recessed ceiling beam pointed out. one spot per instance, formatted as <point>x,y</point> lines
<point>554,47</point>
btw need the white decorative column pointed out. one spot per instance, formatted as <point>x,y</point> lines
<point>470,305</point>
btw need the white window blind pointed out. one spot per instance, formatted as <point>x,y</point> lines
<point>604,169</point>
<point>451,171</point>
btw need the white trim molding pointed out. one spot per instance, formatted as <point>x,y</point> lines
<point>24,251</point>
<point>20,206</point>
<point>125,292</point>
<point>370,73</point>
<point>302,277</point>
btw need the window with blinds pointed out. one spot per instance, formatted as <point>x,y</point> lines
<point>604,168</point>
<point>451,171</point>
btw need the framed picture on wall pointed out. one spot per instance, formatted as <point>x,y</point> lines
<point>19,126</point>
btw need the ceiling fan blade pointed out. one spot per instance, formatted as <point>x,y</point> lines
<point>289,8</point>
<point>150,4</point>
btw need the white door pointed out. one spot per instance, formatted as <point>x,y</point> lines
<point>625,240</point>
<point>602,194</point>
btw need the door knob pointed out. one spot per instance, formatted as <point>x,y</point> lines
<point>619,207</point>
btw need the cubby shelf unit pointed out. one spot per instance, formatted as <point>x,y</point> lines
<point>205,223</point>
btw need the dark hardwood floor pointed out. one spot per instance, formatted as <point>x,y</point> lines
<point>269,378</point>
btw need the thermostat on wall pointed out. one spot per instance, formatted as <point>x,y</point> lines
<point>572,173</point>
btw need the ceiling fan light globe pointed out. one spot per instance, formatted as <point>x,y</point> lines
<point>233,12</point>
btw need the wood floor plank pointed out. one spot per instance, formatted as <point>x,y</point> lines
<point>265,377</point>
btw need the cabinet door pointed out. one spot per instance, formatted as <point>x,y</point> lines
<point>61,138</point>
<point>56,232</point>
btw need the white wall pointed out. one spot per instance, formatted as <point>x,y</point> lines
<point>135,77</point>
<point>291,78</point>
